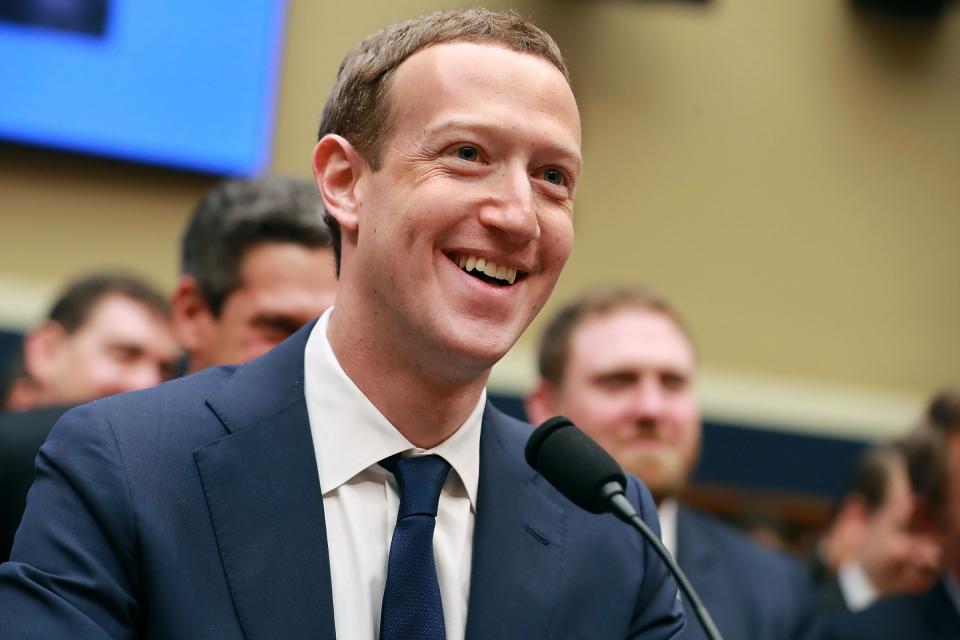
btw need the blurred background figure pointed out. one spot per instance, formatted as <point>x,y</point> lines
<point>256,265</point>
<point>934,614</point>
<point>107,333</point>
<point>621,364</point>
<point>881,540</point>
<point>944,410</point>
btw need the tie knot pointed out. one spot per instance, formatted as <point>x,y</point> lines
<point>419,481</point>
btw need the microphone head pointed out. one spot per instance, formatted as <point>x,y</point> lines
<point>573,463</point>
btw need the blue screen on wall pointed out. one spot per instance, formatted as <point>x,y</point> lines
<point>179,83</point>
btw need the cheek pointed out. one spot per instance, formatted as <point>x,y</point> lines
<point>598,413</point>
<point>557,236</point>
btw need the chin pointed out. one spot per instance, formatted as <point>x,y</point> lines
<point>480,343</point>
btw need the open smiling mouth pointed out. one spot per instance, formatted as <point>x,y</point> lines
<point>489,272</point>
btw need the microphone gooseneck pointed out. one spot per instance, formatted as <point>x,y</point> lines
<point>586,474</point>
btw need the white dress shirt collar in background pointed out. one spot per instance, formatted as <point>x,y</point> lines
<point>667,512</point>
<point>856,586</point>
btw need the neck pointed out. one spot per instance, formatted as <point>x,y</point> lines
<point>419,397</point>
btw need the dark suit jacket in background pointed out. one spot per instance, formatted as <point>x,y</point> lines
<point>194,510</point>
<point>827,594</point>
<point>932,616</point>
<point>752,593</point>
<point>21,434</point>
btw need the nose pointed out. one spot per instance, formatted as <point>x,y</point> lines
<point>648,401</point>
<point>142,377</point>
<point>512,210</point>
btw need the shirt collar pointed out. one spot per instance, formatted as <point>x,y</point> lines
<point>858,590</point>
<point>350,434</point>
<point>667,512</point>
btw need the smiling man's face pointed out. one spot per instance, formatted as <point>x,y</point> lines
<point>478,172</point>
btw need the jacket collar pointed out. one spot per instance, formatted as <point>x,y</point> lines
<point>263,493</point>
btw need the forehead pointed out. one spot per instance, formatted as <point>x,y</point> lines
<point>117,318</point>
<point>300,278</point>
<point>116,311</point>
<point>631,338</point>
<point>486,81</point>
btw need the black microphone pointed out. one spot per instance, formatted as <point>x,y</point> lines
<point>585,473</point>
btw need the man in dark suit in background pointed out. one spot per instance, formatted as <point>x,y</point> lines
<point>621,365</point>
<point>255,265</point>
<point>251,501</point>
<point>878,543</point>
<point>934,615</point>
<point>106,333</point>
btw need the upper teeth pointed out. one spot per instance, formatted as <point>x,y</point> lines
<point>492,269</point>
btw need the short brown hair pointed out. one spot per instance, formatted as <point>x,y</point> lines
<point>73,307</point>
<point>944,410</point>
<point>873,472</point>
<point>555,343</point>
<point>358,107</point>
<point>924,452</point>
<point>238,215</point>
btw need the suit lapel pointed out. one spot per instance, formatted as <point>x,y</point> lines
<point>518,543</point>
<point>697,555</point>
<point>941,613</point>
<point>264,496</point>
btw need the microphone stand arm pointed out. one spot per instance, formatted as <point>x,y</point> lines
<point>621,507</point>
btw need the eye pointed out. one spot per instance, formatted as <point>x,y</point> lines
<point>467,152</point>
<point>554,176</point>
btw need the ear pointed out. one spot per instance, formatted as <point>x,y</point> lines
<point>542,402</point>
<point>337,167</point>
<point>852,515</point>
<point>41,348</point>
<point>190,315</point>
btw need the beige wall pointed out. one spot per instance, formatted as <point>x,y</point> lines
<point>789,172</point>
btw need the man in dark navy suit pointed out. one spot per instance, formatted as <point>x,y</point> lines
<point>256,265</point>
<point>620,364</point>
<point>879,542</point>
<point>106,333</point>
<point>934,615</point>
<point>266,500</point>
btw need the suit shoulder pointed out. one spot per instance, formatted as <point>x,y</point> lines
<point>737,545</point>
<point>887,618</point>
<point>160,412</point>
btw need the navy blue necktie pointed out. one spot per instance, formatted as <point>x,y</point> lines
<point>411,608</point>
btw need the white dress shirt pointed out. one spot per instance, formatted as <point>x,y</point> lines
<point>360,499</point>
<point>667,512</point>
<point>856,586</point>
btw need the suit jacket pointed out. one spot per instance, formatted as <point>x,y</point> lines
<point>752,593</point>
<point>828,598</point>
<point>21,434</point>
<point>194,510</point>
<point>932,616</point>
